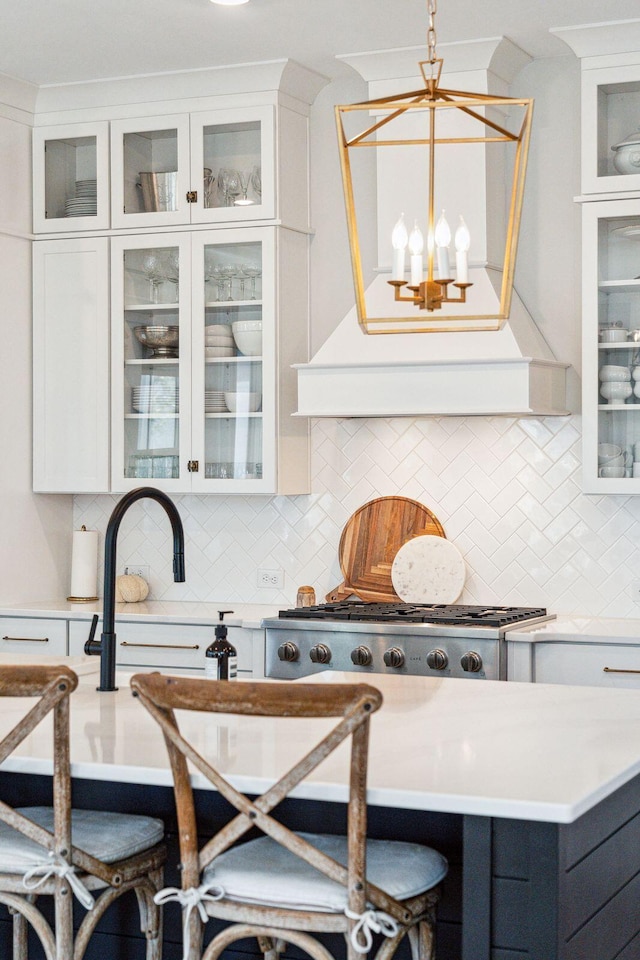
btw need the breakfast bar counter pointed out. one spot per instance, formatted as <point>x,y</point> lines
<point>538,786</point>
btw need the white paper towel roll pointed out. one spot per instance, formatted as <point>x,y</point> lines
<point>84,565</point>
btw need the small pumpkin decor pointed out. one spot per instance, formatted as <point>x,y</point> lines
<point>130,588</point>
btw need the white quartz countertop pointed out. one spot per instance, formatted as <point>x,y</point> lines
<point>247,615</point>
<point>576,628</point>
<point>526,751</point>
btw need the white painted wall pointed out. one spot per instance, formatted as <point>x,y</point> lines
<point>35,530</point>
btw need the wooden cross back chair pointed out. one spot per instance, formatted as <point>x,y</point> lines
<point>62,853</point>
<point>284,886</point>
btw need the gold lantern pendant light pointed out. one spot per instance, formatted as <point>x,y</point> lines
<point>430,293</point>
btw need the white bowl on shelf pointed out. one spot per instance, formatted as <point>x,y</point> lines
<point>617,391</point>
<point>607,451</point>
<point>248,337</point>
<point>614,372</point>
<point>244,402</point>
<point>213,353</point>
<point>613,335</point>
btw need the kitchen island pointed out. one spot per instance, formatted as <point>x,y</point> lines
<point>535,789</point>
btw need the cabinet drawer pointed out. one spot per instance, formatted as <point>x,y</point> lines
<point>589,664</point>
<point>33,635</point>
<point>166,645</point>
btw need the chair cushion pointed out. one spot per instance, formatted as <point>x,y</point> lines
<point>107,836</point>
<point>263,872</point>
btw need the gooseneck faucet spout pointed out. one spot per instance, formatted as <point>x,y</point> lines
<point>105,648</point>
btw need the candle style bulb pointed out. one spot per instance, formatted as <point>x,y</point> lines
<point>442,238</point>
<point>416,246</point>
<point>399,241</point>
<point>463,242</point>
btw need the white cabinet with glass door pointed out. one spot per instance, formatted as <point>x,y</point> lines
<point>611,346</point>
<point>71,177</point>
<point>206,167</point>
<point>611,128</point>
<point>193,361</point>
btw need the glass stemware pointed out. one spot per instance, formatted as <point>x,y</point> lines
<point>245,181</point>
<point>234,186</point>
<point>228,272</point>
<point>207,186</point>
<point>152,268</point>
<point>256,180</point>
<point>252,270</point>
<point>173,271</point>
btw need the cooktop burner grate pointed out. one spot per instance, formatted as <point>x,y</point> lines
<point>445,613</point>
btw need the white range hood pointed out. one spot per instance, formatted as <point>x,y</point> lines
<point>477,372</point>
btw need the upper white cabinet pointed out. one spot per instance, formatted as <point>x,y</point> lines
<point>210,167</point>
<point>611,129</point>
<point>71,177</point>
<point>611,347</point>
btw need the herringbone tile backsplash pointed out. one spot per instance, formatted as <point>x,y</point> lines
<point>506,491</point>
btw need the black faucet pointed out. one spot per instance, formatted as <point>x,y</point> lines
<point>105,648</point>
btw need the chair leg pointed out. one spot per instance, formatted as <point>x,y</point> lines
<point>271,948</point>
<point>422,940</point>
<point>151,914</point>
<point>63,900</point>
<point>20,930</point>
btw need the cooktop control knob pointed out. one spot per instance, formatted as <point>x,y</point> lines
<point>288,652</point>
<point>394,657</point>
<point>437,659</point>
<point>320,653</point>
<point>361,656</point>
<point>471,662</point>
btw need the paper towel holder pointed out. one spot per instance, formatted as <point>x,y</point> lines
<point>82,599</point>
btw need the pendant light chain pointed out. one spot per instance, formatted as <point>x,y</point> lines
<point>432,9</point>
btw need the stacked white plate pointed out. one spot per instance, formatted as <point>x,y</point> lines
<point>214,401</point>
<point>155,398</point>
<point>84,204</point>
<point>218,341</point>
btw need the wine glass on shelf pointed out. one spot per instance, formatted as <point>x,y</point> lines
<point>223,176</point>
<point>234,186</point>
<point>256,180</point>
<point>245,181</point>
<point>152,269</point>
<point>228,271</point>
<point>207,186</point>
<point>173,271</point>
<point>252,270</point>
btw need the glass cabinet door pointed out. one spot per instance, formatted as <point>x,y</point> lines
<point>232,158</point>
<point>71,177</point>
<point>610,130</point>
<point>151,361</point>
<point>150,171</point>
<point>612,326</point>
<point>233,361</point>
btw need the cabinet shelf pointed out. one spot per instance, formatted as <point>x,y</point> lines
<point>147,307</point>
<point>153,362</point>
<point>151,416</point>
<point>224,360</point>
<point>233,416</point>
<point>629,345</point>
<point>228,305</point>
<point>620,286</point>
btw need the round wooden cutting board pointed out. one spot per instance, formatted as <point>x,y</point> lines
<point>370,542</point>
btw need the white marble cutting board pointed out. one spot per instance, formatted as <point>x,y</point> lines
<point>428,570</point>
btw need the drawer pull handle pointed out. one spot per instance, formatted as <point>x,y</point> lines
<point>162,646</point>
<point>615,670</point>
<point>27,639</point>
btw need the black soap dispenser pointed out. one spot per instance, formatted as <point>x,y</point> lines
<point>221,658</point>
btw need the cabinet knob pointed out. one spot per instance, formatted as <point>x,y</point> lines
<point>193,466</point>
<point>192,196</point>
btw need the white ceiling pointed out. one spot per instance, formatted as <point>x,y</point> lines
<point>66,41</point>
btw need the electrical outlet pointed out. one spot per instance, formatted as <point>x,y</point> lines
<point>138,570</point>
<point>634,590</point>
<point>271,578</point>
